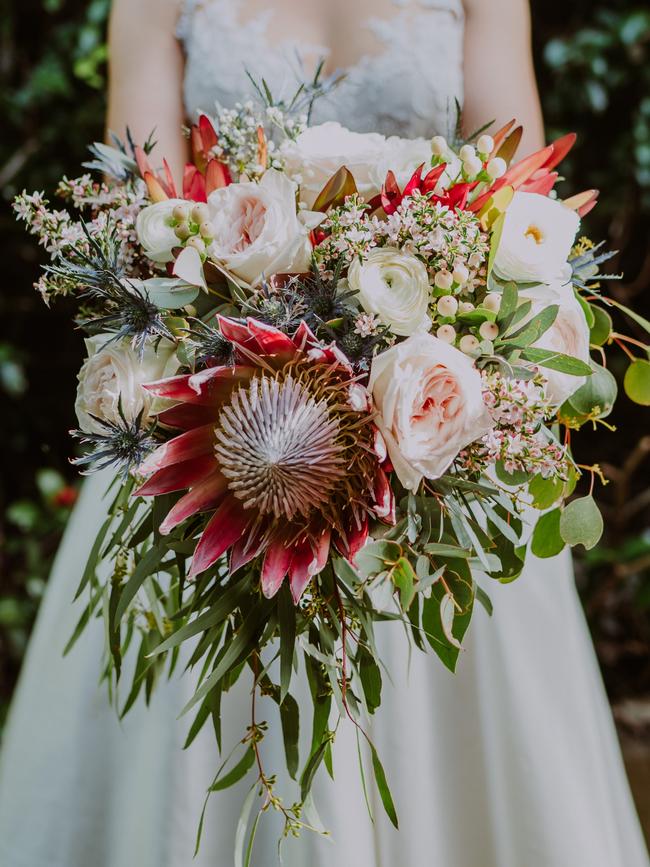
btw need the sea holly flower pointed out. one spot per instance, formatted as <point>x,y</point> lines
<point>279,447</point>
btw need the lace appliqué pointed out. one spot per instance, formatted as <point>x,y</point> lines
<point>408,87</point>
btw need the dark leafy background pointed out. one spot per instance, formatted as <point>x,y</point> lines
<point>593,61</point>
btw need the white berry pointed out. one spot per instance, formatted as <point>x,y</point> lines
<point>496,168</point>
<point>492,302</point>
<point>447,305</point>
<point>446,333</point>
<point>489,330</point>
<point>468,343</point>
<point>485,144</point>
<point>443,280</point>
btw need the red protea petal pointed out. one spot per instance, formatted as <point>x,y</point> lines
<point>238,333</point>
<point>391,195</point>
<point>169,185</point>
<point>276,566</point>
<point>308,559</point>
<point>194,185</point>
<point>186,416</point>
<point>185,447</point>
<point>216,176</point>
<point>262,147</point>
<point>561,148</point>
<point>500,134</point>
<point>584,210</point>
<point>270,340</point>
<point>205,388</point>
<point>177,477</point>
<point>414,183</point>
<point>542,183</point>
<point>224,528</point>
<point>356,538</point>
<point>431,179</point>
<point>201,498</point>
<point>245,550</point>
<point>144,166</point>
<point>209,138</point>
<point>384,498</point>
<point>155,188</point>
<point>199,156</point>
<point>304,338</point>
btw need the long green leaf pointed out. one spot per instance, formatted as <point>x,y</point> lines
<point>212,617</point>
<point>557,361</point>
<point>235,774</point>
<point>382,785</point>
<point>287,619</point>
<point>146,566</point>
<point>290,720</point>
<point>241,646</point>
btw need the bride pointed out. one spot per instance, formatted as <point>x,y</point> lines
<point>514,761</point>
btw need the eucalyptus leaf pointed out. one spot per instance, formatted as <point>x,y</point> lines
<point>637,382</point>
<point>547,540</point>
<point>581,523</point>
<point>170,293</point>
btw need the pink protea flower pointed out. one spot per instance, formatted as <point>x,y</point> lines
<point>280,448</point>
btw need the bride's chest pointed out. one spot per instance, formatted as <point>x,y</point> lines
<point>402,59</point>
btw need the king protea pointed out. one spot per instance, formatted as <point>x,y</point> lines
<point>280,447</point>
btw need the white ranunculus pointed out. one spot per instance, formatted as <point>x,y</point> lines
<point>155,232</point>
<point>320,151</point>
<point>113,371</point>
<point>257,230</point>
<point>393,286</point>
<point>430,406</point>
<point>538,233</point>
<point>402,156</point>
<point>569,334</point>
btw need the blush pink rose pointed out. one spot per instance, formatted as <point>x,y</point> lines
<point>257,229</point>
<point>430,406</point>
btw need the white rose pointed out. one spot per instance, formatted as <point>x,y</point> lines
<point>430,406</point>
<point>393,286</point>
<point>257,231</point>
<point>155,232</point>
<point>113,371</point>
<point>320,151</point>
<point>402,156</point>
<point>538,233</point>
<point>569,334</point>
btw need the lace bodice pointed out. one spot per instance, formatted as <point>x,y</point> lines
<point>407,86</point>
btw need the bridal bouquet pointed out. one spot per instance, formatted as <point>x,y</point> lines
<point>338,375</point>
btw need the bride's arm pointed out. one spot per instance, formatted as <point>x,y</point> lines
<point>146,76</point>
<point>499,75</point>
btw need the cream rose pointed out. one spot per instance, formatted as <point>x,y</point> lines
<point>155,231</point>
<point>569,334</point>
<point>538,233</point>
<point>320,151</point>
<point>401,156</point>
<point>393,286</point>
<point>430,406</point>
<point>257,230</point>
<point>113,371</point>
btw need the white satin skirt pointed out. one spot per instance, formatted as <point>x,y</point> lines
<point>512,762</point>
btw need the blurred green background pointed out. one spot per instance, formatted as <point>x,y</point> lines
<point>593,61</point>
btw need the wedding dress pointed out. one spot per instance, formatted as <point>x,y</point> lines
<point>513,762</point>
